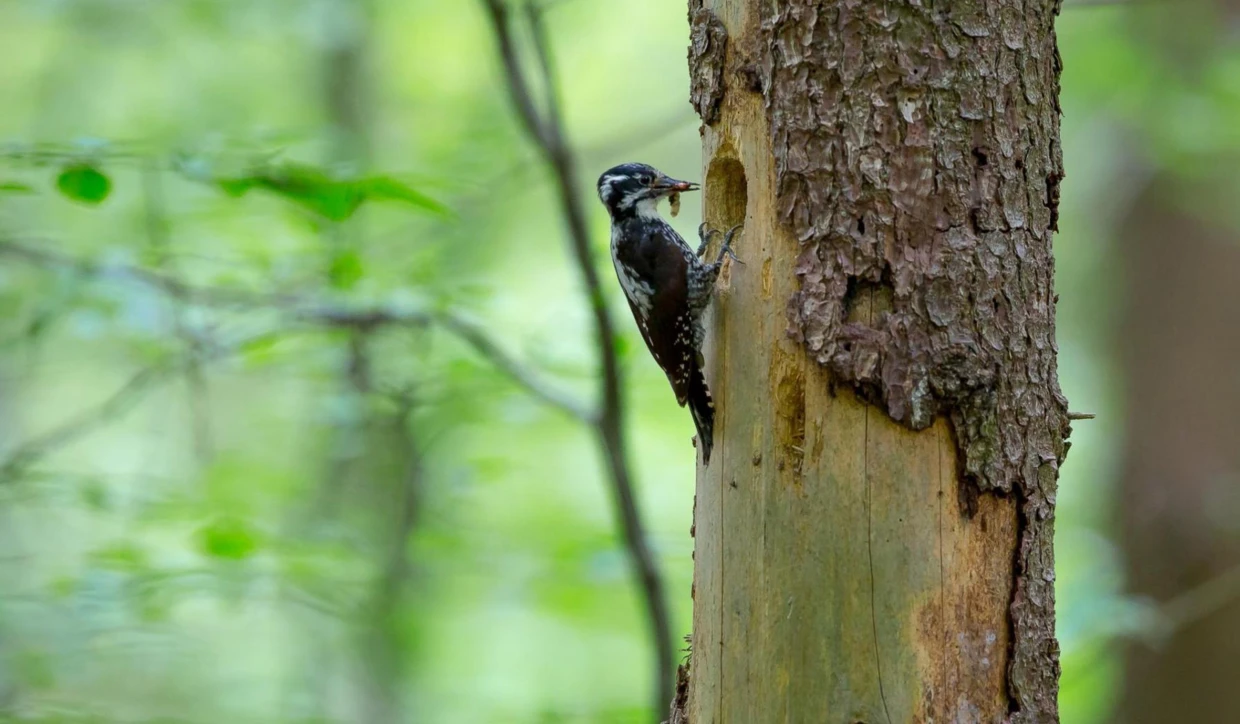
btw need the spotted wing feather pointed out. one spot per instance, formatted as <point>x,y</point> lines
<point>657,262</point>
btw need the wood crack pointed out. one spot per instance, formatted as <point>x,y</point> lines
<point>869,542</point>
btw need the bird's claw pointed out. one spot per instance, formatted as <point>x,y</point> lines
<point>726,249</point>
<point>706,233</point>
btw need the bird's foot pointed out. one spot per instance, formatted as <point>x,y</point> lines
<point>705,233</point>
<point>726,249</point>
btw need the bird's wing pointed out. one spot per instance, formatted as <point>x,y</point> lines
<point>660,257</point>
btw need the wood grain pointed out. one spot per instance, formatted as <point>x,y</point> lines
<point>846,570</point>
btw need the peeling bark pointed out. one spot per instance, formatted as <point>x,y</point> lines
<point>680,705</point>
<point>913,158</point>
<point>708,45</point>
<point>918,150</point>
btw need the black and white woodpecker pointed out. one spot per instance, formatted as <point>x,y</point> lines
<point>666,281</point>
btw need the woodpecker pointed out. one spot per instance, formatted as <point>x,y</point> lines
<point>667,283</point>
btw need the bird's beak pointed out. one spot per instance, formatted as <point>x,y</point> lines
<point>670,184</point>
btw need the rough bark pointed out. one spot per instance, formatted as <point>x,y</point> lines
<point>874,542</point>
<point>1180,339</point>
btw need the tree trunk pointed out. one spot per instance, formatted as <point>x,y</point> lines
<point>874,530</point>
<point>1179,499</point>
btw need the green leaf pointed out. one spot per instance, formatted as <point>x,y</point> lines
<point>13,187</point>
<point>34,669</point>
<point>236,187</point>
<point>228,538</point>
<point>62,586</point>
<point>84,183</point>
<point>346,270</point>
<point>121,555</point>
<point>623,346</point>
<point>315,190</point>
<point>94,495</point>
<point>386,188</point>
<point>259,351</point>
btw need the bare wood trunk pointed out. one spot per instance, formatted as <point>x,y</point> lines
<point>874,531</point>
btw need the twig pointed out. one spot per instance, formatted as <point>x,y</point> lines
<point>195,380</point>
<point>116,404</point>
<point>547,133</point>
<point>518,88</point>
<point>86,422</point>
<point>319,313</point>
<point>473,334</point>
<point>35,251</point>
<point>389,590</point>
<point>1163,621</point>
<point>1081,416</point>
<point>463,328</point>
<point>1194,604</point>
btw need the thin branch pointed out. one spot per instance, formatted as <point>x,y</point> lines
<point>195,380</point>
<point>518,88</point>
<point>115,405</point>
<point>547,133</point>
<point>542,51</point>
<point>473,334</point>
<point>35,251</point>
<point>1195,604</point>
<point>389,590</point>
<point>118,403</point>
<point>322,314</point>
<point>1163,621</point>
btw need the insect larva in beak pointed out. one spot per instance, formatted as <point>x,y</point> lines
<point>674,200</point>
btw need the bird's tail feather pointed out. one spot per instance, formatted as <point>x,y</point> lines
<point>702,408</point>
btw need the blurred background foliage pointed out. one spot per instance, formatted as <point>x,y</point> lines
<point>216,510</point>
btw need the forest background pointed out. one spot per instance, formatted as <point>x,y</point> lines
<point>228,495</point>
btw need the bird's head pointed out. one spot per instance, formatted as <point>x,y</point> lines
<point>635,189</point>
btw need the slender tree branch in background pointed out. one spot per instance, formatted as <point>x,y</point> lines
<point>1194,605</point>
<point>514,180</point>
<point>547,133</point>
<point>117,404</point>
<point>307,310</point>
<point>518,88</point>
<point>390,589</point>
<point>36,252</point>
<point>474,335</point>
<point>196,382</point>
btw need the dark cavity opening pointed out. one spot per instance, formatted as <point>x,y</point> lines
<point>865,301</point>
<point>727,198</point>
<point>727,193</point>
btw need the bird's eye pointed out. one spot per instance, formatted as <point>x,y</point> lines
<point>645,179</point>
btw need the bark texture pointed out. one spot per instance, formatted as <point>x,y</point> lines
<point>1179,498</point>
<point>860,559</point>
<point>707,50</point>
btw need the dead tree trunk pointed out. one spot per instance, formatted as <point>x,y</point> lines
<point>874,531</point>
